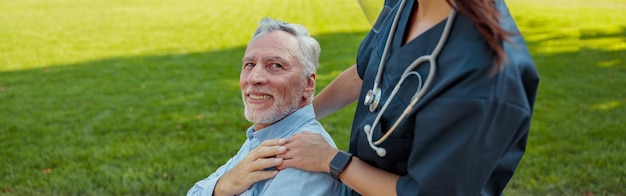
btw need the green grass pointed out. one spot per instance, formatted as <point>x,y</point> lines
<point>141,98</point>
<point>577,138</point>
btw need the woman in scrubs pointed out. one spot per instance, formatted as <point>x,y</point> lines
<point>464,136</point>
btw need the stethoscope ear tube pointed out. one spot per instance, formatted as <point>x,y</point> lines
<point>381,152</point>
<point>372,98</point>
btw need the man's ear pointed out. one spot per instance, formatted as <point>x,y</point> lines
<point>309,89</point>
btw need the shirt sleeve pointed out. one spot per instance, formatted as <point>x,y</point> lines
<point>206,186</point>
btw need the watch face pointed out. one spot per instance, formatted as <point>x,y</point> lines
<point>340,161</point>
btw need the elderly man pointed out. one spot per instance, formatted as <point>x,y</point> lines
<point>277,85</point>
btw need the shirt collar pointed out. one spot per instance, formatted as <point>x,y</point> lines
<point>284,127</point>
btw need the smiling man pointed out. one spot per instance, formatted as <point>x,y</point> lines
<point>277,85</point>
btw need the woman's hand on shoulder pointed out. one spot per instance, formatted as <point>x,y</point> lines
<point>307,151</point>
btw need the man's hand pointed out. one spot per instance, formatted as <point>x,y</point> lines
<point>253,168</point>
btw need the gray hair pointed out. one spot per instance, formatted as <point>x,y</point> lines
<point>309,47</point>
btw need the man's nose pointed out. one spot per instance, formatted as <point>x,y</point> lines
<point>258,75</point>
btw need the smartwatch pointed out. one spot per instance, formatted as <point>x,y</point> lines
<point>339,163</point>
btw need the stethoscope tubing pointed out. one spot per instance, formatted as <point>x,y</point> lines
<point>394,25</point>
<point>407,72</point>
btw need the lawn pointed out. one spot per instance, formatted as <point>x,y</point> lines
<point>112,97</point>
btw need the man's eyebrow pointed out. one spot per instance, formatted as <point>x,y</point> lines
<point>274,58</point>
<point>248,58</point>
<point>269,58</point>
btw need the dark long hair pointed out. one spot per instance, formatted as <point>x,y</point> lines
<point>486,17</point>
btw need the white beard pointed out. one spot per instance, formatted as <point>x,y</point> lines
<point>278,110</point>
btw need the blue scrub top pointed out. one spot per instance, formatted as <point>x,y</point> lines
<point>468,133</point>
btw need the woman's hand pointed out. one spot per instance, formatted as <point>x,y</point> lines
<point>307,151</point>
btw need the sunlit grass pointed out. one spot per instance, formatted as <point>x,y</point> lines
<point>568,26</point>
<point>608,105</point>
<point>45,33</point>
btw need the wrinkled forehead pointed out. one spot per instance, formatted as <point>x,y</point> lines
<point>279,42</point>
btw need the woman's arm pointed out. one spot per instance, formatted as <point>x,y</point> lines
<point>339,93</point>
<point>309,151</point>
<point>368,180</point>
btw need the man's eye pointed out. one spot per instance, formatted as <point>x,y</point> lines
<point>248,65</point>
<point>276,65</point>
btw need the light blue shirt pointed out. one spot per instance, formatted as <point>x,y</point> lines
<point>289,181</point>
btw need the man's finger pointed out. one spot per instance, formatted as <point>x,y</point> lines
<point>262,175</point>
<point>265,151</point>
<point>263,164</point>
<point>274,142</point>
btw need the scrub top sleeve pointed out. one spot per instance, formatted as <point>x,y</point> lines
<point>464,144</point>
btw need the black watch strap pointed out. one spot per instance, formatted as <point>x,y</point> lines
<point>339,163</point>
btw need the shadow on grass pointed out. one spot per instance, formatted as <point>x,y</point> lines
<point>591,34</point>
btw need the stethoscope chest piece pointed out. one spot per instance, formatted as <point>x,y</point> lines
<point>372,98</point>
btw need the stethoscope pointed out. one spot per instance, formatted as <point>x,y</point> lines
<point>372,98</point>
